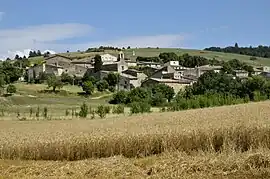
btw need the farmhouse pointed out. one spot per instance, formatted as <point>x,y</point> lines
<point>241,73</point>
<point>35,71</point>
<point>177,85</point>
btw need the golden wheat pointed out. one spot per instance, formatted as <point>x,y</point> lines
<point>234,128</point>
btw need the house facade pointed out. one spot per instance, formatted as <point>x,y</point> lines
<point>35,71</point>
<point>108,58</point>
<point>177,85</point>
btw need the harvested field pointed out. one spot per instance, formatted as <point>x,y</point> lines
<point>222,142</point>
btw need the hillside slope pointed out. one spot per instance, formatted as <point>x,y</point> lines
<point>149,52</point>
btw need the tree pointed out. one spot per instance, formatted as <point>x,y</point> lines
<point>65,78</point>
<point>11,73</point>
<point>2,82</point>
<point>165,90</point>
<point>88,87</point>
<point>119,98</point>
<point>138,94</point>
<point>98,63</point>
<point>54,82</point>
<point>88,77</point>
<point>168,56</point>
<point>112,79</point>
<point>11,89</point>
<point>17,57</point>
<point>102,85</point>
<point>39,53</point>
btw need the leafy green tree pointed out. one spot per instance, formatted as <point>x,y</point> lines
<point>112,79</point>
<point>98,63</point>
<point>138,94</point>
<point>10,72</point>
<point>165,90</point>
<point>66,78</point>
<point>158,99</point>
<point>88,87</point>
<point>11,89</point>
<point>54,82</point>
<point>88,77</point>
<point>102,85</point>
<point>119,98</point>
<point>168,56</point>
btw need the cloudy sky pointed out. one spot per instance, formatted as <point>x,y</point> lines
<point>76,25</point>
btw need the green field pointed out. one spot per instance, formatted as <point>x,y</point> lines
<point>31,96</point>
<point>149,52</point>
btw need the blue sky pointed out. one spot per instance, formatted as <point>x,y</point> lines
<point>71,25</point>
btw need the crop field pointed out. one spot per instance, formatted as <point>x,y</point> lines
<point>221,142</point>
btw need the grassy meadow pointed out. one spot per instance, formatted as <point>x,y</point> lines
<point>31,96</point>
<point>221,142</point>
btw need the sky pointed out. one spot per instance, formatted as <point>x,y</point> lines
<point>59,25</point>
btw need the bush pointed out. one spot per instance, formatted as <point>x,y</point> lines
<point>119,109</point>
<point>102,85</point>
<point>84,111</point>
<point>11,89</point>
<point>140,107</point>
<point>111,89</point>
<point>158,100</point>
<point>45,112</point>
<point>88,87</point>
<point>119,98</point>
<point>102,111</point>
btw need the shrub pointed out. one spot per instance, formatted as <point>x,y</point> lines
<point>107,109</point>
<point>11,89</point>
<point>67,112</point>
<point>45,112</point>
<point>88,87</point>
<point>140,107</point>
<point>84,111</point>
<point>111,89</point>
<point>101,111</point>
<point>119,109</point>
<point>102,85</point>
<point>31,112</point>
<point>158,99</point>
<point>119,98</point>
<point>37,113</point>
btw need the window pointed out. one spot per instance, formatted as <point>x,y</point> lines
<point>123,68</point>
<point>125,82</point>
<point>66,70</point>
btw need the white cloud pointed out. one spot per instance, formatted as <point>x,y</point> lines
<point>38,37</point>
<point>43,37</point>
<point>1,15</point>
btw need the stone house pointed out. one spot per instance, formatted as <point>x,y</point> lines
<point>34,71</point>
<point>241,73</point>
<point>177,85</point>
<point>71,67</point>
<point>149,64</point>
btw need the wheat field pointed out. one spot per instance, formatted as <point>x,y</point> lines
<point>222,142</point>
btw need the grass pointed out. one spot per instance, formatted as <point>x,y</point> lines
<point>149,52</point>
<point>222,142</point>
<point>30,96</point>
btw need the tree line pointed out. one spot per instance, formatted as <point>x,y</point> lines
<point>259,51</point>
<point>211,89</point>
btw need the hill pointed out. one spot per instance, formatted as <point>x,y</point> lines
<point>149,52</point>
<point>260,51</point>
